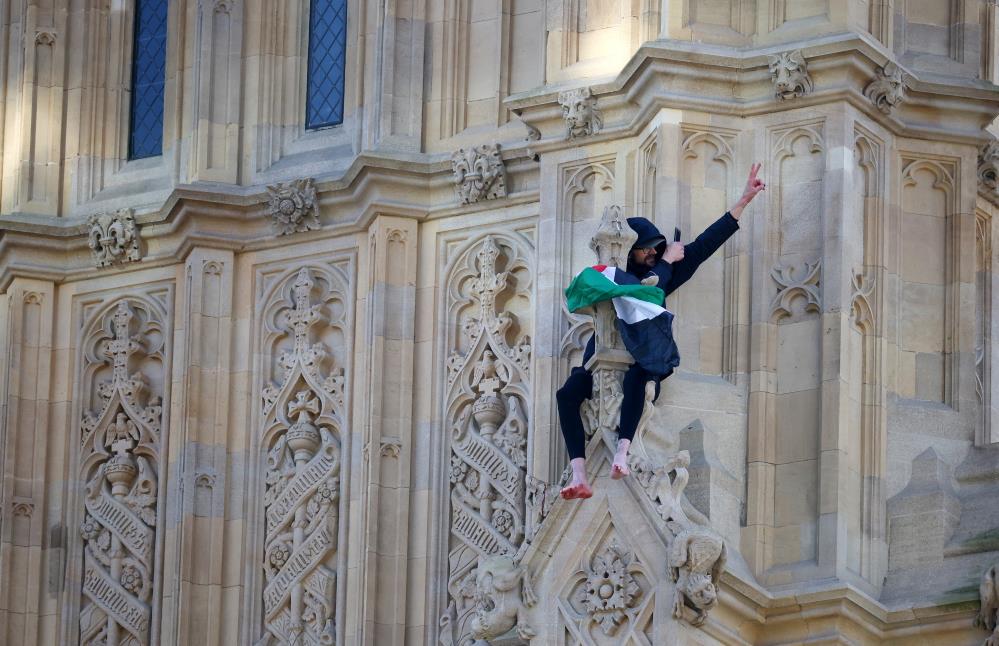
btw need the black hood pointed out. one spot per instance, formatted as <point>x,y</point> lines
<point>648,235</point>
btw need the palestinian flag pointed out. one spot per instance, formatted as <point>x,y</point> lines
<point>646,327</point>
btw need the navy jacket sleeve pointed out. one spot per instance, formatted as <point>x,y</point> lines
<point>696,252</point>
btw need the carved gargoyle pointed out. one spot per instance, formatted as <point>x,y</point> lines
<point>503,593</point>
<point>696,560</point>
<point>988,615</point>
<point>790,75</point>
<point>580,112</point>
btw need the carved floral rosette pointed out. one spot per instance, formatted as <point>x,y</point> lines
<point>303,419</point>
<point>487,416</point>
<point>123,377</point>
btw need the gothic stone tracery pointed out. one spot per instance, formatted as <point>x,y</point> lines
<point>487,412</point>
<point>121,444</point>
<point>303,421</point>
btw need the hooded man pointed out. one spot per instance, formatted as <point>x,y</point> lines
<point>673,264</point>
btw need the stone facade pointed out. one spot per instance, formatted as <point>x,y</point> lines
<point>280,386</point>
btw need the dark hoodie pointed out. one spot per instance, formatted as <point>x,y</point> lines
<point>672,275</point>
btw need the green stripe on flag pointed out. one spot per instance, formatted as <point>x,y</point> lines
<point>590,287</point>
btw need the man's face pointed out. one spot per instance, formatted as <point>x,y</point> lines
<point>644,257</point>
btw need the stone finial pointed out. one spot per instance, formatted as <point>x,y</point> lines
<point>696,560</point>
<point>614,238</point>
<point>988,614</point>
<point>790,75</point>
<point>114,238</point>
<point>293,207</point>
<point>887,90</point>
<point>988,166</point>
<point>580,112</point>
<point>479,173</point>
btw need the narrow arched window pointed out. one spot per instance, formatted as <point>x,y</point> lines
<point>327,53</point>
<point>145,137</point>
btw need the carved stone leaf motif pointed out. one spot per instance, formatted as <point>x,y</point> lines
<point>792,284</point>
<point>988,166</point>
<point>293,207</point>
<point>609,589</point>
<point>487,386</point>
<point>120,453</point>
<point>479,173</point>
<point>789,72</point>
<point>887,90</point>
<point>114,238</point>
<point>580,112</point>
<point>302,423</point>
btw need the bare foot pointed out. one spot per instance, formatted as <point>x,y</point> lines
<point>577,490</point>
<point>578,487</point>
<point>619,468</point>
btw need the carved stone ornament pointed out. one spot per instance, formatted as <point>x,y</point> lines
<point>609,590</point>
<point>580,112</point>
<point>696,560</point>
<point>988,614</point>
<point>487,399</point>
<point>789,72</point>
<point>303,421</point>
<point>121,461</point>
<point>293,207</point>
<point>792,284</point>
<point>479,173</point>
<point>503,593</point>
<point>887,90</point>
<point>988,167</point>
<point>114,238</point>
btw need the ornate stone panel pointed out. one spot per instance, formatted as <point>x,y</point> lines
<point>122,380</point>
<point>487,407</point>
<point>293,207</point>
<point>305,325</point>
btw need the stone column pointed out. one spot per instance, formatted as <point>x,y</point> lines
<point>196,609</point>
<point>25,386</point>
<point>386,417</point>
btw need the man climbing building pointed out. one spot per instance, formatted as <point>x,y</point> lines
<point>672,264</point>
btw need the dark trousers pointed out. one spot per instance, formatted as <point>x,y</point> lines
<point>579,386</point>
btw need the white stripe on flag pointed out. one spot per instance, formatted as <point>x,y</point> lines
<point>632,310</point>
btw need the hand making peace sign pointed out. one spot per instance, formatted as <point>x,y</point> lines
<point>754,185</point>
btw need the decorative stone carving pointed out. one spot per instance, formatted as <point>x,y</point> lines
<point>861,306</point>
<point>487,402</point>
<point>120,453</point>
<point>303,421</point>
<point>696,560</point>
<point>792,284</point>
<point>533,134</point>
<point>988,166</point>
<point>887,90</point>
<point>45,37</point>
<point>790,75</point>
<point>479,173</point>
<point>114,238</point>
<point>503,592</point>
<point>293,207</point>
<point>610,590</point>
<point>580,112</point>
<point>988,614</point>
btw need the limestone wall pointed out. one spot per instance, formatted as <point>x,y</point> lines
<point>278,383</point>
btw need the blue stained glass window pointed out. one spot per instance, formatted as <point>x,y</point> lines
<point>327,53</point>
<point>148,71</point>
